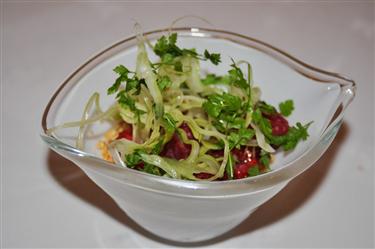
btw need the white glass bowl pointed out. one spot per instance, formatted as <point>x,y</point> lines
<point>194,211</point>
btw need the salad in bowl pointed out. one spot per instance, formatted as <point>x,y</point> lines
<point>170,120</point>
<point>190,130</point>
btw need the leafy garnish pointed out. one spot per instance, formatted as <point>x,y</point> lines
<point>169,123</point>
<point>240,137</point>
<point>167,50</point>
<point>291,139</point>
<point>286,107</point>
<point>135,158</point>
<point>178,66</point>
<point>214,57</point>
<point>265,158</point>
<point>212,79</point>
<point>151,169</point>
<point>166,47</point>
<point>158,147</point>
<point>266,108</point>
<point>263,123</point>
<point>132,82</point>
<point>164,82</point>
<point>253,171</point>
<point>126,101</point>
<point>288,141</point>
<point>222,104</point>
<point>237,77</point>
<point>123,76</point>
<point>121,70</point>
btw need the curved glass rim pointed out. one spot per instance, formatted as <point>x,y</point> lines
<point>250,184</point>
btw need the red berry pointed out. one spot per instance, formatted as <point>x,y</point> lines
<point>187,130</point>
<point>140,166</point>
<point>241,170</point>
<point>181,150</point>
<point>176,149</point>
<point>216,153</point>
<point>280,125</point>
<point>203,175</point>
<point>127,133</point>
<point>243,155</point>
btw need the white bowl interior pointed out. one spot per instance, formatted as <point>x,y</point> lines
<point>313,101</point>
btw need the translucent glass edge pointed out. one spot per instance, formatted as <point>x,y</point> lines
<point>345,83</point>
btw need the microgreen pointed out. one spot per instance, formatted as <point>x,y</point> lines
<point>151,169</point>
<point>126,101</point>
<point>129,78</point>
<point>253,171</point>
<point>214,57</point>
<point>240,137</point>
<point>266,108</point>
<point>164,82</point>
<point>212,79</point>
<point>135,158</point>
<point>217,104</point>
<point>237,77</point>
<point>169,123</point>
<point>167,49</point>
<point>291,139</point>
<point>265,158</point>
<point>286,107</point>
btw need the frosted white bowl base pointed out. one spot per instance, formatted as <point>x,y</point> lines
<point>181,218</point>
<point>200,220</point>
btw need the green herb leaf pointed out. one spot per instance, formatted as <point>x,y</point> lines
<point>158,147</point>
<point>253,171</point>
<point>291,139</point>
<point>165,46</point>
<point>190,52</point>
<point>294,135</point>
<point>135,158</point>
<point>265,158</point>
<point>240,137</point>
<point>237,77</point>
<point>266,108</point>
<point>134,83</point>
<point>178,66</point>
<point>169,123</point>
<point>114,88</point>
<point>121,70</point>
<point>172,38</point>
<point>123,76</point>
<point>152,169</point>
<point>263,123</point>
<point>225,109</point>
<point>167,59</point>
<point>126,101</point>
<point>131,82</point>
<point>286,107</point>
<point>164,82</point>
<point>167,50</point>
<point>214,57</point>
<point>161,46</point>
<point>218,103</point>
<point>212,79</point>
